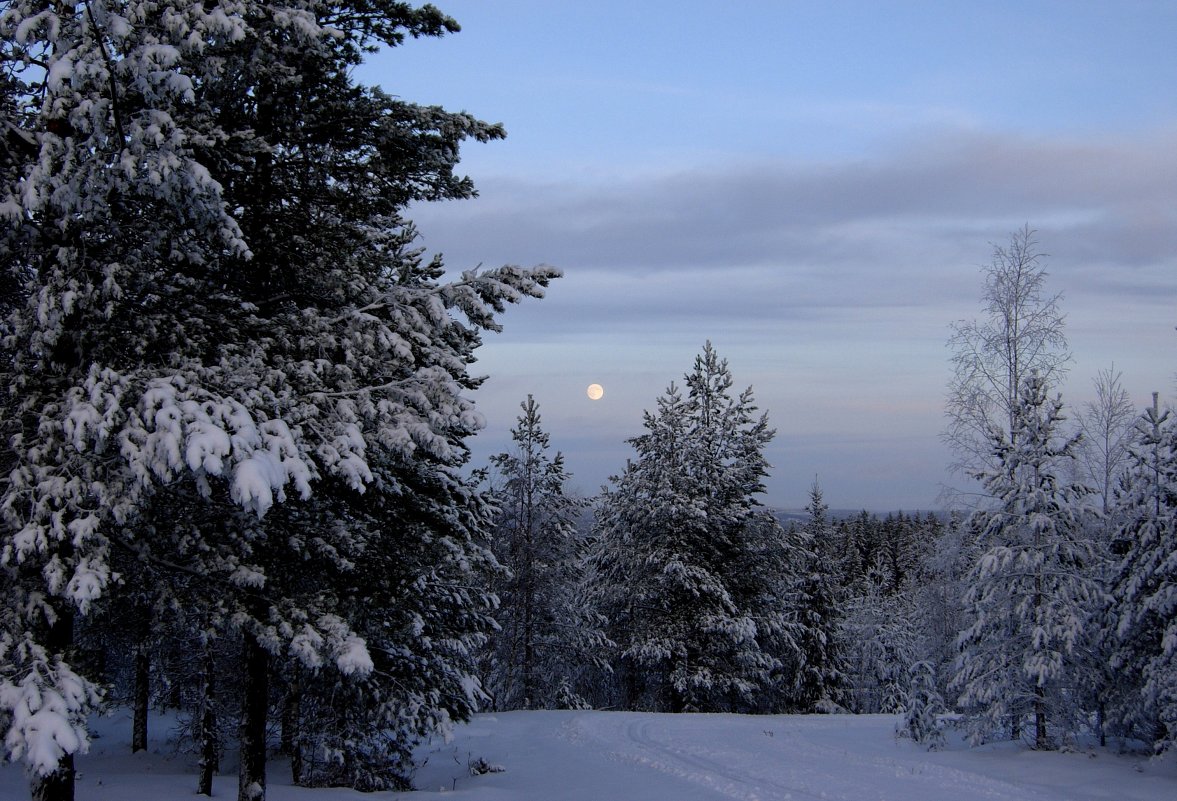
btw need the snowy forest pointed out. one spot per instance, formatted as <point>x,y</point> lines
<point>236,479</point>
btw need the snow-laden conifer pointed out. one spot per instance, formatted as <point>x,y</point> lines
<point>819,680</point>
<point>1144,609</point>
<point>692,614</point>
<point>880,641</point>
<point>214,303</point>
<point>923,707</point>
<point>1030,593</point>
<point>547,636</point>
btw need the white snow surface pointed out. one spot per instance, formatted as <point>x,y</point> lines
<point>626,756</point>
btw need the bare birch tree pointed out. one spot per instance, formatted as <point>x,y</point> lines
<point>1021,332</point>
<point>1106,424</point>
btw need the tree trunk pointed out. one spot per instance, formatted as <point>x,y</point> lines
<point>291,719</point>
<point>58,785</point>
<point>676,700</point>
<point>210,745</point>
<point>142,695</point>
<point>528,654</point>
<point>1040,741</point>
<point>630,685</point>
<point>254,706</point>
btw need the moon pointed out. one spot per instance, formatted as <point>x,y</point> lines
<point>595,391</point>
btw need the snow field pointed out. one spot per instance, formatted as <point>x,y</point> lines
<point>630,756</point>
<point>624,756</point>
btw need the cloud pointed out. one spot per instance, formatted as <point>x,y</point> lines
<point>895,242</point>
<point>1112,198</point>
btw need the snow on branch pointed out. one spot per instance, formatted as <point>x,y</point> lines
<point>46,708</point>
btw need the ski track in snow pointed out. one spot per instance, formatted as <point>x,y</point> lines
<point>790,764</point>
<point>721,777</point>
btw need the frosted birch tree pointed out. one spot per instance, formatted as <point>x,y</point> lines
<point>1020,333</point>
<point>1107,425</point>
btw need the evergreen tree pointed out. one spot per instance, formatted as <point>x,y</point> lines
<point>820,680</point>
<point>879,640</point>
<point>692,612</point>
<point>1144,611</point>
<point>924,706</point>
<point>212,302</point>
<point>940,595</point>
<point>547,637</point>
<point>892,615</point>
<point>1031,593</point>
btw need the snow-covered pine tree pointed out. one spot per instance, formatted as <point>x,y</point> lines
<point>924,706</point>
<point>1144,591</point>
<point>1031,593</point>
<point>547,636</point>
<point>943,577</point>
<point>884,626</point>
<point>673,533</point>
<point>820,681</point>
<point>879,639</point>
<point>211,302</point>
<point>861,549</point>
<point>409,592</point>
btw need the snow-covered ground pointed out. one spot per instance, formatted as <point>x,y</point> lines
<point>618,756</point>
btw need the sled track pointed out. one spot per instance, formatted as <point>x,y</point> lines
<point>792,765</point>
<point>715,775</point>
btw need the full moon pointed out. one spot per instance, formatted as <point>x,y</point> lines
<point>595,391</point>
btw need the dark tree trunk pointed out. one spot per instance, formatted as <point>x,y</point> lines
<point>528,654</point>
<point>630,685</point>
<point>254,706</point>
<point>291,720</point>
<point>58,785</point>
<point>676,700</point>
<point>210,741</point>
<point>1040,741</point>
<point>143,688</point>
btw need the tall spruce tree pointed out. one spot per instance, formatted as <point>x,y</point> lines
<point>1031,593</point>
<point>1144,589</point>
<point>547,636</point>
<point>212,301</point>
<point>692,613</point>
<point>819,681</point>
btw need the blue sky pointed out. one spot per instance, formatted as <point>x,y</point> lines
<point>814,187</point>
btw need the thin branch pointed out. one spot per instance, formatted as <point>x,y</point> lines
<point>114,95</point>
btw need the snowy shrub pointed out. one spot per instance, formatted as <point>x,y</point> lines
<point>921,717</point>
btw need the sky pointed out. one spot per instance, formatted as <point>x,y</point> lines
<point>813,187</point>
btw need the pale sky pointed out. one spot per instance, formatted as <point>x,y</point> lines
<point>814,187</point>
